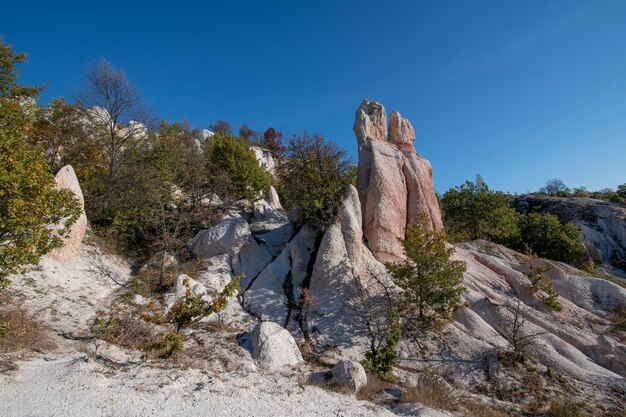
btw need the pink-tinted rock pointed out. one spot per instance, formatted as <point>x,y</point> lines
<point>401,131</point>
<point>66,179</point>
<point>394,183</point>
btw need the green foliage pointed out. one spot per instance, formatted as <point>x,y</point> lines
<point>232,168</point>
<point>621,190</point>
<point>555,187</point>
<point>580,192</point>
<point>471,212</point>
<point>382,360</point>
<point>29,202</point>
<point>192,307</point>
<point>430,280</point>
<point>541,283</point>
<point>169,345</point>
<point>313,179</point>
<point>546,236</point>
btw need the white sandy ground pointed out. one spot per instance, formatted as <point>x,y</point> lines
<point>80,387</point>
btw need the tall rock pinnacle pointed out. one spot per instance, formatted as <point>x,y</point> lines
<point>394,183</point>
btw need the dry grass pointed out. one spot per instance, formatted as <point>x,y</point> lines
<point>19,331</point>
<point>374,389</point>
<point>564,407</point>
<point>148,282</point>
<point>476,409</point>
<point>124,329</point>
<point>432,391</point>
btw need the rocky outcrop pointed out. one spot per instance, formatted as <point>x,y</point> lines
<point>273,347</point>
<point>394,183</point>
<point>349,374</point>
<point>602,225</point>
<point>66,179</point>
<point>232,236</point>
<point>265,158</point>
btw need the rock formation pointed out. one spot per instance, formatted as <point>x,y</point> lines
<point>394,183</point>
<point>66,179</point>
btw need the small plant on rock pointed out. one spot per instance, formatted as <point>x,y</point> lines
<point>192,307</point>
<point>541,284</point>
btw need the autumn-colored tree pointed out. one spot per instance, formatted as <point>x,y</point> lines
<point>29,202</point>
<point>273,141</point>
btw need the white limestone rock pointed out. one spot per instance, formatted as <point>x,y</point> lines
<point>349,374</point>
<point>274,348</point>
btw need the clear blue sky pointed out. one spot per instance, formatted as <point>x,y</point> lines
<point>518,91</point>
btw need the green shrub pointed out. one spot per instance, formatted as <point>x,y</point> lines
<point>471,212</point>
<point>430,280</point>
<point>232,168</point>
<point>166,347</point>
<point>29,201</point>
<point>547,237</point>
<point>192,307</point>
<point>313,178</point>
<point>541,283</point>
<point>381,361</point>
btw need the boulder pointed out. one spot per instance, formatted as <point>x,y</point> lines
<point>394,183</point>
<point>272,199</point>
<point>273,347</point>
<point>227,236</point>
<point>349,374</point>
<point>66,179</point>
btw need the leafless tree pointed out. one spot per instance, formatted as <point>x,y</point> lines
<point>371,306</point>
<point>115,108</point>
<point>515,330</point>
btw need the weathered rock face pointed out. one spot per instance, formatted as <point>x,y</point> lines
<point>265,158</point>
<point>66,179</point>
<point>602,225</point>
<point>394,183</point>
<point>273,347</point>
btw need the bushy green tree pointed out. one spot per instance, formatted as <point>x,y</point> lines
<point>471,212</point>
<point>232,168</point>
<point>29,202</point>
<point>160,193</point>
<point>313,178</point>
<point>621,190</point>
<point>430,281</point>
<point>546,236</point>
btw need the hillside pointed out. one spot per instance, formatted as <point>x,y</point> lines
<point>308,301</point>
